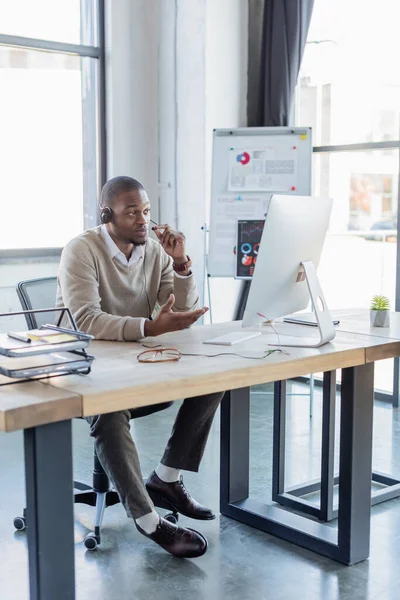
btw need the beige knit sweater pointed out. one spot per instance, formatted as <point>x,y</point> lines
<point>108,299</point>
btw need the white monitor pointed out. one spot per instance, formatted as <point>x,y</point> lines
<point>285,273</point>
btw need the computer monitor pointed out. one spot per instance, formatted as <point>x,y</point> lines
<point>285,273</point>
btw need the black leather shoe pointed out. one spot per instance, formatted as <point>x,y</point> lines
<point>174,496</point>
<point>178,541</point>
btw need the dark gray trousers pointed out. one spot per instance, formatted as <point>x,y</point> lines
<point>119,457</point>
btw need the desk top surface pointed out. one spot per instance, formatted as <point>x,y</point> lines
<point>357,321</point>
<point>118,381</point>
<point>33,403</point>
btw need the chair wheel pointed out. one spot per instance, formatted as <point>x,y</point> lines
<point>91,542</point>
<point>20,523</point>
<point>172,518</point>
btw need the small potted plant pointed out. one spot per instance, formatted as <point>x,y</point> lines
<point>380,312</point>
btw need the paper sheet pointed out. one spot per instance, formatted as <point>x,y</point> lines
<point>267,169</point>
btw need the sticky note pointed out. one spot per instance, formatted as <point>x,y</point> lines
<point>58,339</point>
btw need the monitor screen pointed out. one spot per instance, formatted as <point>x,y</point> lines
<point>249,233</point>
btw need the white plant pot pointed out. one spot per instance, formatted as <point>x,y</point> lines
<point>380,318</point>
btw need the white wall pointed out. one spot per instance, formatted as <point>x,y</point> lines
<point>191,127</point>
<point>132,110</point>
<point>226,92</point>
<point>202,84</point>
<point>226,69</point>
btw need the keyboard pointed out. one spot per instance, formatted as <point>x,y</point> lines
<point>229,339</point>
<point>301,321</point>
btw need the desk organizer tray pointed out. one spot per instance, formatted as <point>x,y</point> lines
<point>37,359</point>
<point>50,364</point>
<point>16,349</point>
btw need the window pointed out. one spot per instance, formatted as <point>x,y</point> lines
<point>349,92</point>
<point>57,20</point>
<point>51,142</point>
<point>349,82</point>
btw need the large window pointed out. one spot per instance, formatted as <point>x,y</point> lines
<point>50,121</point>
<point>349,93</point>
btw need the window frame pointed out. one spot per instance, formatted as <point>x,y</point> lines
<point>394,398</point>
<point>93,111</point>
<point>394,145</point>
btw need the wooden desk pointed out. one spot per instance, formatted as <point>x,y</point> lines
<point>31,404</point>
<point>118,381</point>
<point>44,413</point>
<point>359,321</point>
<point>356,321</point>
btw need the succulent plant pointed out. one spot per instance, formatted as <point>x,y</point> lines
<point>380,303</point>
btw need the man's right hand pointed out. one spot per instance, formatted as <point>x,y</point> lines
<point>168,320</point>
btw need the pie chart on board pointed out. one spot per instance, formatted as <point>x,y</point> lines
<point>243,158</point>
<point>247,260</point>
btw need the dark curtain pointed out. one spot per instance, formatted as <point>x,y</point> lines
<point>277,36</point>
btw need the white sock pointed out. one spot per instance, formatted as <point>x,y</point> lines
<point>168,474</point>
<point>149,522</point>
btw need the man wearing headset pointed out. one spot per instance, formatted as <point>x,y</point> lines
<point>111,277</point>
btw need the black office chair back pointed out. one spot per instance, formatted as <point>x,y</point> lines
<point>35,294</point>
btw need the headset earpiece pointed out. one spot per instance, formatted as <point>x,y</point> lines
<point>106,214</point>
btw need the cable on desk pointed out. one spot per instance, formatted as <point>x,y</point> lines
<point>265,354</point>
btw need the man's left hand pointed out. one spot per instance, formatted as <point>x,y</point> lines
<point>173,242</point>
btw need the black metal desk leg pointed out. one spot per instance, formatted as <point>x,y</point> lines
<point>355,463</point>
<point>50,517</point>
<point>279,439</point>
<point>235,447</point>
<point>328,446</point>
<point>294,497</point>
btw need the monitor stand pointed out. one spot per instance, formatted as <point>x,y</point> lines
<point>324,319</point>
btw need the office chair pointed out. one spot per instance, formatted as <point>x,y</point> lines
<point>41,293</point>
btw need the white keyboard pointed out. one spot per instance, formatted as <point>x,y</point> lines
<point>229,339</point>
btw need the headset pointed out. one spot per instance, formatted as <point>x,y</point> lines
<point>106,215</point>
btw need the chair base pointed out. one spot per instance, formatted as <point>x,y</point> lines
<point>85,494</point>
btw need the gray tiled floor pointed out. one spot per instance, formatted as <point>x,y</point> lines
<point>241,563</point>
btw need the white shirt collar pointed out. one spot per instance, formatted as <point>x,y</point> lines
<point>115,252</point>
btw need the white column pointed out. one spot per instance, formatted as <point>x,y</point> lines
<point>181,122</point>
<point>167,112</point>
<point>191,130</point>
<point>132,104</point>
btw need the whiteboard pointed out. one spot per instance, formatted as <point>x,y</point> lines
<point>248,166</point>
